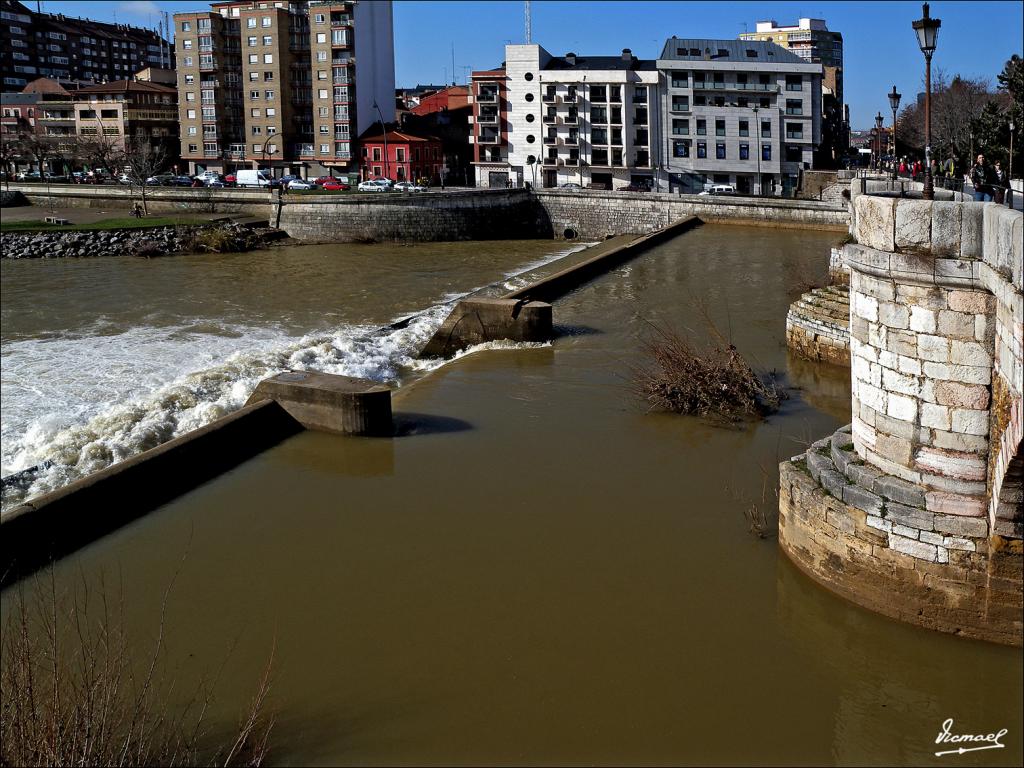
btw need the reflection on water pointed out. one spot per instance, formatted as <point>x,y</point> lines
<point>565,579</point>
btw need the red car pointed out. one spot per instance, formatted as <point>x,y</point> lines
<point>334,186</point>
<point>230,179</point>
<point>326,180</point>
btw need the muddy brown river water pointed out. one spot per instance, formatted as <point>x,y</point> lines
<point>538,571</point>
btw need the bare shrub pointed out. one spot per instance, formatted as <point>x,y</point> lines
<point>713,381</point>
<point>223,240</point>
<point>74,695</point>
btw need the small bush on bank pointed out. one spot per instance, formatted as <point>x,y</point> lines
<point>223,240</point>
<point>712,381</point>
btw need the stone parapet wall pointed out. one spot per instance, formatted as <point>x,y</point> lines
<point>891,557</point>
<point>158,199</point>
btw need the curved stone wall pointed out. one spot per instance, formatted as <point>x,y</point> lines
<point>936,368</point>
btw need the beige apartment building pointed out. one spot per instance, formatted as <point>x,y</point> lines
<point>283,85</point>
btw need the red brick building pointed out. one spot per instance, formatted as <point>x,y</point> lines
<point>489,135</point>
<point>405,158</point>
<point>455,97</point>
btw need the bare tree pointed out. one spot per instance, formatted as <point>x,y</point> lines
<point>145,159</point>
<point>101,151</point>
<point>10,151</point>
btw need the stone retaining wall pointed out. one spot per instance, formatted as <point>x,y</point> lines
<point>158,199</point>
<point>818,325</point>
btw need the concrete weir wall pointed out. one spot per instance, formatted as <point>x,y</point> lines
<point>922,497</point>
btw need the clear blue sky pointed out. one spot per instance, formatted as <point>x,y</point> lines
<point>975,40</point>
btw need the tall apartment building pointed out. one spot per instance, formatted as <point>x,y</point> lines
<point>550,120</point>
<point>129,109</point>
<point>737,112</point>
<point>34,44</point>
<point>811,40</point>
<point>283,85</point>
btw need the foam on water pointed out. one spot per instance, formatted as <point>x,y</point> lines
<point>81,403</point>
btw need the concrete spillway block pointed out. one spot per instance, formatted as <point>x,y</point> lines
<point>475,321</point>
<point>328,403</point>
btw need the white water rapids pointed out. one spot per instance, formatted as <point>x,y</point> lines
<point>78,402</point>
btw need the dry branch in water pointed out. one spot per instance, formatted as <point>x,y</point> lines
<point>74,695</point>
<point>714,381</point>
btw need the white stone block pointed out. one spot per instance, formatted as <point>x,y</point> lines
<point>914,225</point>
<point>902,530</point>
<point>909,365</point>
<point>871,396</point>
<point>972,224</point>
<point>893,315</point>
<point>936,416</point>
<point>888,359</point>
<point>969,353</point>
<point>958,325</point>
<point>955,542</point>
<point>913,547</point>
<point>878,335</point>
<point>880,524</point>
<point>899,382</point>
<point>922,320</point>
<point>875,222</point>
<point>970,422</point>
<point>865,307</point>
<point>900,407</point>
<point>946,228</point>
<point>966,374</point>
<point>929,537</point>
<point>933,348</point>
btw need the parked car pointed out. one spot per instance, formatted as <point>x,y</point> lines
<point>248,177</point>
<point>161,180</point>
<point>179,181</point>
<point>206,176</point>
<point>570,185</point>
<point>335,186</point>
<point>375,185</point>
<point>29,176</point>
<point>719,189</point>
<point>634,187</point>
<point>408,186</point>
<point>288,178</point>
<point>320,181</point>
<point>230,180</point>
<point>296,185</point>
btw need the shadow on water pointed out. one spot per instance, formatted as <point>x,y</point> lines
<point>562,331</point>
<point>409,424</point>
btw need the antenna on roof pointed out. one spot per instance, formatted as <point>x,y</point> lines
<point>529,24</point>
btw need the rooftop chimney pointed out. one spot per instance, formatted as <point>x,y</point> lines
<point>570,58</point>
<point>627,55</point>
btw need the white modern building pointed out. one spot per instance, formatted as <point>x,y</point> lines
<point>549,120</point>
<point>740,112</point>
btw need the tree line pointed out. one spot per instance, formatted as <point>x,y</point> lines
<point>969,118</point>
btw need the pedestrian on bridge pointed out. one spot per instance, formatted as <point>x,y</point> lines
<point>1000,183</point>
<point>981,179</point>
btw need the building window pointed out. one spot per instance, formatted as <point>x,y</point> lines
<point>744,151</point>
<point>268,77</point>
<point>794,131</point>
<point>325,129</point>
<point>254,59</point>
<point>204,25</point>
<point>702,149</point>
<point>766,128</point>
<point>271,130</point>
<point>191,130</point>
<point>680,79</point>
<point>252,40</point>
<point>681,148</point>
<point>321,37</point>
<point>268,95</point>
<point>257,148</point>
<point>321,55</point>
<point>794,83</point>
<point>254,112</point>
<point>719,127</point>
<point>321,74</point>
<point>376,154</point>
<point>191,113</point>
<point>266,21</point>
<point>188,61</point>
<point>193,148</point>
<point>250,23</point>
<point>254,76</point>
<point>319,18</point>
<point>186,45</point>
<point>254,94</point>
<point>720,150</point>
<point>210,146</point>
<point>702,127</point>
<point>794,107</point>
<point>268,40</point>
<point>190,79</point>
<point>794,154</point>
<point>680,103</point>
<point>257,130</point>
<point>766,151</point>
<point>325,149</point>
<point>322,93</point>
<point>186,26</point>
<point>271,112</point>
<point>744,128</point>
<point>323,111</point>
<point>268,58</point>
<point>598,93</point>
<point>680,127</point>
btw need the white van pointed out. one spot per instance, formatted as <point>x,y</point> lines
<point>252,178</point>
<point>720,189</point>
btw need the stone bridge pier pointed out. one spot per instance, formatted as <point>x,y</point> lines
<point>915,509</point>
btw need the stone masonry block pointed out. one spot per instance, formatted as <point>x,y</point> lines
<point>956,465</point>
<point>955,504</point>
<point>933,348</point>
<point>970,396</point>
<point>929,297</point>
<point>865,307</point>
<point>958,441</point>
<point>862,474</point>
<point>971,226</point>
<point>910,533</point>
<point>901,383</point>
<point>893,315</point>
<point>876,222</point>
<point>958,325</point>
<point>908,365</point>
<point>970,422</point>
<point>946,228</point>
<point>862,499</point>
<point>914,548</point>
<point>1017,262</point>
<point>969,353</point>
<point>922,319</point>
<point>900,491</point>
<point>914,225</point>
<point>833,482</point>
<point>936,416</point>
<point>905,428</point>
<point>869,285</point>
<point>901,407</point>
<point>879,523</point>
<point>902,343</point>
<point>964,374</point>
<point>909,516</point>
<point>975,527</point>
<point>973,302</point>
<point>894,449</point>
<point>816,463</point>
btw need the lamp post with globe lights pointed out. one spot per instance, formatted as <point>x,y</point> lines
<point>927,30</point>
<point>878,140</point>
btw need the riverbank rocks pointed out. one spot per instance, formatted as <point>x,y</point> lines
<point>157,241</point>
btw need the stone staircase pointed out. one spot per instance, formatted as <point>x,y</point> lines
<point>818,325</point>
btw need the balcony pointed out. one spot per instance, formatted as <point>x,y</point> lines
<point>549,98</point>
<point>342,80</point>
<point>306,149</point>
<point>489,138</point>
<point>742,87</point>
<point>572,141</point>
<point>211,153</point>
<point>569,98</point>
<point>680,109</point>
<point>489,118</point>
<point>551,119</point>
<point>207,66</point>
<point>487,97</point>
<point>571,119</point>
<point>570,161</point>
<point>794,134</point>
<point>550,140</point>
<point>343,154</point>
<point>551,161</point>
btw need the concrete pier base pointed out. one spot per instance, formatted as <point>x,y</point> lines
<point>328,403</point>
<point>475,321</point>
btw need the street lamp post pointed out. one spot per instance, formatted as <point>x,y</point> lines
<point>384,131</point>
<point>894,102</point>
<point>1009,171</point>
<point>878,140</point>
<point>927,30</point>
<point>757,148</point>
